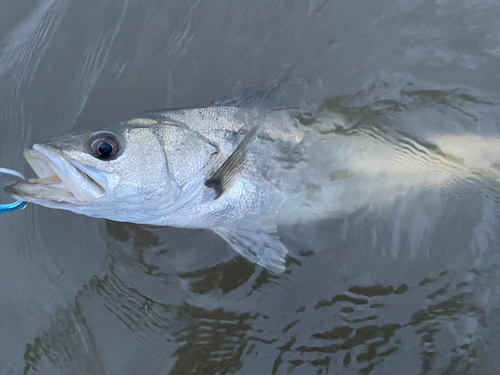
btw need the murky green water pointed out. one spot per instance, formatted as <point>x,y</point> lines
<point>408,289</point>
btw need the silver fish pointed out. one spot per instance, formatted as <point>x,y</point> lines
<point>239,172</point>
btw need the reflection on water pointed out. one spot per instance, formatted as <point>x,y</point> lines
<point>407,286</point>
<point>433,324</point>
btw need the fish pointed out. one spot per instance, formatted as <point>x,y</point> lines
<point>241,172</point>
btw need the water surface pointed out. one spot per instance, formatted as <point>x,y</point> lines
<point>411,288</point>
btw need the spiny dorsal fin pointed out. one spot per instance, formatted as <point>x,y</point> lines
<point>227,174</point>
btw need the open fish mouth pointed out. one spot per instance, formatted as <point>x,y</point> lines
<point>59,179</point>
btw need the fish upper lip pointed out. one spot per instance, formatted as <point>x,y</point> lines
<point>59,179</point>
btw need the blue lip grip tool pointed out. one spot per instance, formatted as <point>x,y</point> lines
<point>18,205</point>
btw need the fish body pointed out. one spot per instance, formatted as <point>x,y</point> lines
<point>235,171</point>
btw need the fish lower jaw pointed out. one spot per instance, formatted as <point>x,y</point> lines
<point>41,192</point>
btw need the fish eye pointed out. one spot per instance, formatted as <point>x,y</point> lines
<point>104,146</point>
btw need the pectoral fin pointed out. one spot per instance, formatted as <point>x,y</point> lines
<point>228,173</point>
<point>261,246</point>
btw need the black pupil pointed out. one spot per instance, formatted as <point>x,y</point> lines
<point>104,146</point>
<point>105,149</point>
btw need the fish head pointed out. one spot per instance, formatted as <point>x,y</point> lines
<point>114,173</point>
